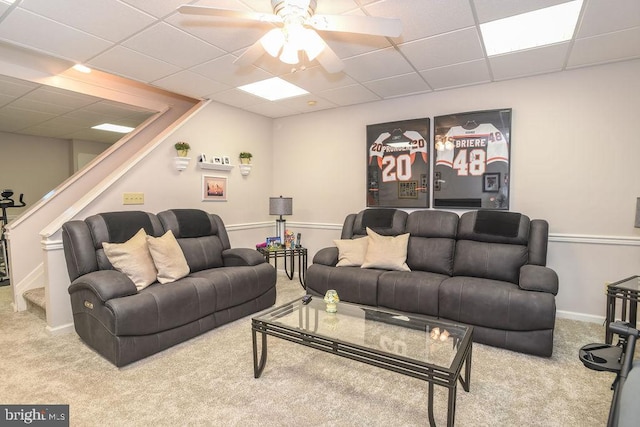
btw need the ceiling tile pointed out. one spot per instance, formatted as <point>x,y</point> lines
<point>64,98</point>
<point>336,7</point>
<point>436,51</point>
<point>457,75</point>
<point>15,87</point>
<point>97,18</point>
<point>349,95</point>
<point>301,104</point>
<point>5,99</point>
<point>24,118</point>
<point>149,41</point>
<point>260,6</point>
<point>236,98</point>
<point>491,10</point>
<point>190,84</point>
<point>128,63</point>
<point>157,8</point>
<point>223,70</point>
<point>346,45</point>
<point>529,62</point>
<point>49,36</point>
<point>316,79</point>
<point>622,15</point>
<point>25,103</point>
<point>376,65</point>
<point>398,85</point>
<point>425,18</point>
<point>169,44</point>
<point>269,109</point>
<point>227,34</point>
<point>606,48</point>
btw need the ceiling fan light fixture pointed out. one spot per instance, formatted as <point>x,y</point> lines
<point>289,54</point>
<point>313,44</point>
<point>273,42</point>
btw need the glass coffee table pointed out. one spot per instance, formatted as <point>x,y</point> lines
<point>418,346</point>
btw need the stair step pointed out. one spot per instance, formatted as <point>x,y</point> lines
<point>36,302</point>
<point>36,297</point>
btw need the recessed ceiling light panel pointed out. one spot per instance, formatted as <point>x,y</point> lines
<point>113,128</point>
<point>273,89</point>
<point>540,27</point>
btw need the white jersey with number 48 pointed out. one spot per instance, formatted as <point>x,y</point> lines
<point>469,151</point>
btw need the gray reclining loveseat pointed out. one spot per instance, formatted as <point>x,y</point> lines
<point>124,323</point>
<point>484,268</point>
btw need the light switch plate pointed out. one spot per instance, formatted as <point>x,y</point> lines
<point>133,198</point>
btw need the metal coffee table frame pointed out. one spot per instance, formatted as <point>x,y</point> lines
<point>433,374</point>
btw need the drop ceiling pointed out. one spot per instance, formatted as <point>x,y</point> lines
<point>440,47</point>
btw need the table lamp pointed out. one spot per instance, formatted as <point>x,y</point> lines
<point>280,206</point>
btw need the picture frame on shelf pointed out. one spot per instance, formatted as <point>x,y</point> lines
<point>273,242</point>
<point>214,188</point>
<point>226,160</point>
<point>216,160</point>
<point>203,158</point>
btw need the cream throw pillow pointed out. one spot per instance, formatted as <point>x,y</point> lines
<point>168,257</point>
<point>386,252</point>
<point>133,259</point>
<point>351,251</point>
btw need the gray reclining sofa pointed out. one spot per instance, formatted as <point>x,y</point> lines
<point>484,268</point>
<point>125,324</point>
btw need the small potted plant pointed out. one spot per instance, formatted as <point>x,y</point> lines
<point>182,148</point>
<point>245,158</point>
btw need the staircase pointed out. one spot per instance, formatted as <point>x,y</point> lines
<point>36,302</point>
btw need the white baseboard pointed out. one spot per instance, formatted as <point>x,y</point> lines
<point>61,330</point>
<point>580,316</point>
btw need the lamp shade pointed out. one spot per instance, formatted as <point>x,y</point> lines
<point>280,205</point>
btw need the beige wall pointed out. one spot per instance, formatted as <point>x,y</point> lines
<point>574,152</point>
<point>574,162</point>
<point>215,130</point>
<point>35,165</point>
<point>32,165</point>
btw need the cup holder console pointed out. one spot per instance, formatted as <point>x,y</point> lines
<point>601,357</point>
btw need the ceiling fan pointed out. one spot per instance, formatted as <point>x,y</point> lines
<point>295,34</point>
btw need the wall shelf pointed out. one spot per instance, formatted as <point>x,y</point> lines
<point>206,165</point>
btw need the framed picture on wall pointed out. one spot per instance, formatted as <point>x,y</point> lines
<point>214,188</point>
<point>398,164</point>
<point>472,153</point>
<point>491,182</point>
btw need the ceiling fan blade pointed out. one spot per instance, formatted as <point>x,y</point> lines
<point>251,55</point>
<point>388,27</point>
<point>329,60</point>
<point>228,13</point>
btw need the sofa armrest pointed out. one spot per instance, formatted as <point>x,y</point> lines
<point>241,256</point>
<point>538,278</point>
<point>326,256</point>
<point>105,284</point>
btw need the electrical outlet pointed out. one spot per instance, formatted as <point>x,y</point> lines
<point>133,198</point>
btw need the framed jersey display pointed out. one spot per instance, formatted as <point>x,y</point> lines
<point>472,160</point>
<point>398,164</point>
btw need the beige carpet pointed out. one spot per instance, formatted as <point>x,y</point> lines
<point>208,381</point>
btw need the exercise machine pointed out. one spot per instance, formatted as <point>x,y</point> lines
<point>618,358</point>
<point>6,202</point>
